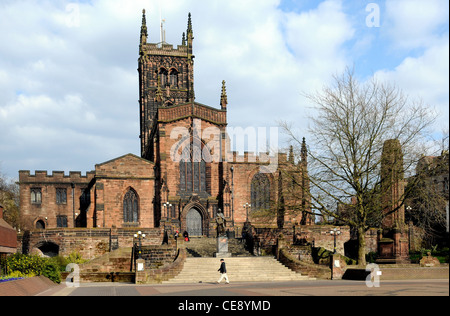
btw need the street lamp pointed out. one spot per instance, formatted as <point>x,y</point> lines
<point>140,235</point>
<point>409,209</point>
<point>167,206</point>
<point>335,232</point>
<point>247,206</point>
<point>232,194</point>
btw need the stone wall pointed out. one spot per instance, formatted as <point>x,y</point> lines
<point>164,273</point>
<point>304,267</point>
<point>399,272</point>
<point>158,256</point>
<point>314,235</point>
<point>90,243</point>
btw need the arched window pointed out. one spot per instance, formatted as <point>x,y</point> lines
<point>40,224</point>
<point>193,171</point>
<point>164,77</point>
<point>173,78</point>
<point>131,207</point>
<point>260,192</point>
<point>36,196</point>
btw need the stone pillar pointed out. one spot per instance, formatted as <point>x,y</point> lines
<point>338,267</point>
<point>141,275</point>
<point>222,247</point>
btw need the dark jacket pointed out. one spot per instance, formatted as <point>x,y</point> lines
<point>223,268</point>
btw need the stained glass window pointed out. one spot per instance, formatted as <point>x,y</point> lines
<point>260,192</point>
<point>131,207</point>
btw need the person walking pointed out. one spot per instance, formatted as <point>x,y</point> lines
<point>223,272</point>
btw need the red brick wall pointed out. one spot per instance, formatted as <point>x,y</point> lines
<point>90,243</point>
<point>113,180</point>
<point>48,209</point>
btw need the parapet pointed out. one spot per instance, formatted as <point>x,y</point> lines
<point>165,49</point>
<point>251,157</point>
<point>56,176</point>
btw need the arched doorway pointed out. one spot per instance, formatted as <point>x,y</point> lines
<point>47,249</point>
<point>194,223</point>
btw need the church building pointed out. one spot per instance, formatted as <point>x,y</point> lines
<point>185,174</point>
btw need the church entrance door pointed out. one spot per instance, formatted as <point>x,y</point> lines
<point>194,223</point>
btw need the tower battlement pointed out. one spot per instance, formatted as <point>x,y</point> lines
<point>164,49</point>
<point>26,176</point>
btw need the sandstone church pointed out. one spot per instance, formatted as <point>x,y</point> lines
<point>185,174</point>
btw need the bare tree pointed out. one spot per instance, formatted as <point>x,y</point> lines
<point>430,195</point>
<point>353,122</point>
<point>9,199</point>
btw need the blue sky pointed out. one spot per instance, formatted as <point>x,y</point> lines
<point>69,85</point>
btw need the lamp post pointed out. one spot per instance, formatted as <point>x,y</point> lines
<point>335,232</point>
<point>232,195</point>
<point>139,235</point>
<point>247,206</point>
<point>167,207</point>
<point>409,209</point>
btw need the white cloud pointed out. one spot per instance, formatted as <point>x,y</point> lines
<point>69,85</point>
<point>412,23</point>
<point>425,77</point>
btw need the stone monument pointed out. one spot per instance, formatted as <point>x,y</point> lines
<point>222,239</point>
<point>393,237</point>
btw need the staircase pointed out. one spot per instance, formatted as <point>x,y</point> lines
<point>207,247</point>
<point>240,269</point>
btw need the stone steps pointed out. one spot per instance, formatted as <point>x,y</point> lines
<point>207,247</point>
<point>239,269</point>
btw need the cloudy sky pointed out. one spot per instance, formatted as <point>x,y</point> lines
<point>69,84</point>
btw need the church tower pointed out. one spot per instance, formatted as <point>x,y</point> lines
<point>166,79</point>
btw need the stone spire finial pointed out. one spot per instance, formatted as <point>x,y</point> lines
<point>144,31</point>
<point>304,152</point>
<point>291,158</point>
<point>189,27</point>
<point>223,96</point>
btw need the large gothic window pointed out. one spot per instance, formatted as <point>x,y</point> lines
<point>131,207</point>
<point>193,171</point>
<point>260,192</point>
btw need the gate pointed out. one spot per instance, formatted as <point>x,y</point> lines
<point>194,223</point>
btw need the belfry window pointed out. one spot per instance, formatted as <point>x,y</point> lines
<point>164,77</point>
<point>131,207</point>
<point>260,192</point>
<point>173,78</point>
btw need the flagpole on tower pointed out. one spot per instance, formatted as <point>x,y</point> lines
<point>162,35</point>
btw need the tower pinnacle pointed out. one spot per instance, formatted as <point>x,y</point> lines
<point>223,96</point>
<point>144,31</point>
<point>189,35</point>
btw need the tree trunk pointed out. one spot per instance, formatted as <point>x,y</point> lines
<point>361,246</point>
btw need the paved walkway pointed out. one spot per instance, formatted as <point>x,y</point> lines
<point>292,288</point>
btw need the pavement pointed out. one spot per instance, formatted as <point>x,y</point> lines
<point>259,289</point>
